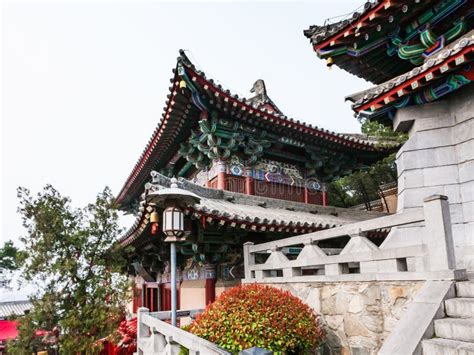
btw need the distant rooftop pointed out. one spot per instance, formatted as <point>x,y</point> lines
<point>14,308</point>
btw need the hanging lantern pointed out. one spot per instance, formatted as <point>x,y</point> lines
<point>154,217</point>
<point>175,200</point>
<point>173,222</point>
<point>182,85</point>
<point>329,62</point>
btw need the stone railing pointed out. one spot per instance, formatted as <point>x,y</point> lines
<point>360,259</point>
<point>156,337</point>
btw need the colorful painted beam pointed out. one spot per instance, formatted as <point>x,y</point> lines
<point>458,60</point>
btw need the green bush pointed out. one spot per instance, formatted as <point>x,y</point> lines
<point>263,316</point>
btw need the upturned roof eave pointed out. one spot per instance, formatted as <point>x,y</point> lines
<point>143,166</point>
<point>247,212</point>
<point>463,47</point>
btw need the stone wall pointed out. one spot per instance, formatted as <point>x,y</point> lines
<point>438,158</point>
<point>358,316</point>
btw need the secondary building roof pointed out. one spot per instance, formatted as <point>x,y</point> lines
<point>259,214</point>
<point>14,308</point>
<point>384,38</point>
<point>436,77</point>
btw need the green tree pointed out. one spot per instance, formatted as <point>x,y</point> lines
<point>9,256</point>
<point>383,133</point>
<point>363,186</point>
<point>73,258</point>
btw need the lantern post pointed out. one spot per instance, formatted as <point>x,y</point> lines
<point>174,200</point>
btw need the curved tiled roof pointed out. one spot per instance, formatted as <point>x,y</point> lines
<point>318,34</point>
<point>367,16</point>
<point>363,44</point>
<point>166,129</point>
<point>277,118</point>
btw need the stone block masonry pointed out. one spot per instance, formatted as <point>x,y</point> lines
<point>358,316</point>
<point>438,158</point>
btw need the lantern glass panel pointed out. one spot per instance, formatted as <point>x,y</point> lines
<point>177,220</point>
<point>165,220</point>
<point>173,221</point>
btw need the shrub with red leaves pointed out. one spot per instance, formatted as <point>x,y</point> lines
<point>124,342</point>
<point>263,316</point>
<point>128,336</point>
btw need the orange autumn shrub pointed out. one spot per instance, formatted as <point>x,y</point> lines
<point>263,316</point>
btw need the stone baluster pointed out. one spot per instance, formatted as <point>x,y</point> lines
<point>438,236</point>
<point>277,259</point>
<point>143,331</point>
<point>335,269</point>
<point>172,347</point>
<point>311,253</point>
<point>249,260</point>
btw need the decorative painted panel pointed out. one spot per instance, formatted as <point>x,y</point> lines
<point>273,172</point>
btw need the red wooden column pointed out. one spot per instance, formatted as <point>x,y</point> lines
<point>210,283</point>
<point>143,295</point>
<point>221,170</point>
<point>325,195</point>
<point>208,181</point>
<point>152,300</point>
<point>306,195</point>
<point>249,184</point>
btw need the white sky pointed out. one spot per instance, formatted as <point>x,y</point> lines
<point>84,84</point>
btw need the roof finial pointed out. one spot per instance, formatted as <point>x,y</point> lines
<point>261,99</point>
<point>259,88</point>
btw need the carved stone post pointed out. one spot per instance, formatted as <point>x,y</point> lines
<point>142,330</point>
<point>249,259</point>
<point>438,236</point>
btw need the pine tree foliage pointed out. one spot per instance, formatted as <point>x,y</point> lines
<point>9,255</point>
<point>72,256</point>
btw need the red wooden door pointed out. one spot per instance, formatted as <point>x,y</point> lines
<point>151,296</point>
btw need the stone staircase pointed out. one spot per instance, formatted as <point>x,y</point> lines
<point>454,334</point>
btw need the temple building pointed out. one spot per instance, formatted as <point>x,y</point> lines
<point>260,175</point>
<point>419,55</point>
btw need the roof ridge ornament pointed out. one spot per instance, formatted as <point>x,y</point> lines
<point>259,88</point>
<point>260,99</point>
